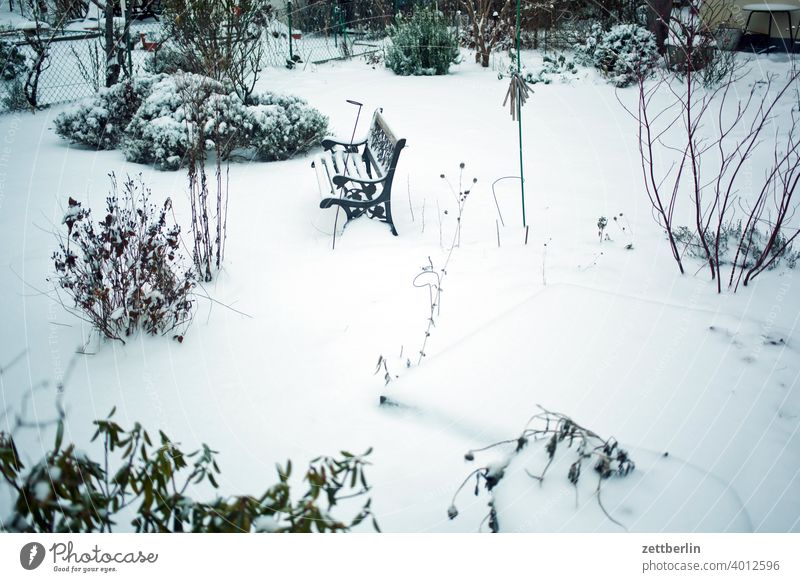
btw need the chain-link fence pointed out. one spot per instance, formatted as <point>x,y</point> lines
<point>316,31</point>
<point>73,63</point>
<point>297,33</point>
<point>66,73</point>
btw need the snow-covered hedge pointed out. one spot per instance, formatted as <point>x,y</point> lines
<point>168,59</point>
<point>165,126</point>
<point>422,44</point>
<point>284,126</point>
<point>158,132</point>
<point>155,120</point>
<point>228,124</point>
<point>99,122</point>
<point>622,53</point>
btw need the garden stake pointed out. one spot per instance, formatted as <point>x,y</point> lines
<point>519,120</point>
<point>353,135</point>
<point>289,16</point>
<point>344,170</point>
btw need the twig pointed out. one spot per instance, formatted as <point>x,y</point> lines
<point>13,361</point>
<point>600,503</point>
<point>592,264</point>
<point>410,206</point>
<point>558,428</point>
<point>225,305</point>
<point>439,212</point>
<point>544,265</point>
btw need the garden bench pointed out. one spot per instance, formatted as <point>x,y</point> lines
<point>360,178</point>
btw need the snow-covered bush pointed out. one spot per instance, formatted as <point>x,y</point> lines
<point>13,63</point>
<point>227,123</point>
<point>14,70</point>
<point>169,59</point>
<point>584,52</point>
<point>158,133</point>
<point>422,44</point>
<point>157,119</point>
<point>100,121</point>
<point>124,272</point>
<point>165,125</point>
<point>284,125</point>
<point>743,248</point>
<point>622,54</point>
<point>15,99</point>
<point>559,67</point>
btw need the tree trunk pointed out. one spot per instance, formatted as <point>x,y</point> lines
<point>658,21</point>
<point>112,64</point>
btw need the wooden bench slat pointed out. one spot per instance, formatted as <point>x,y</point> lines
<point>358,166</point>
<point>339,159</point>
<point>323,175</point>
<point>377,170</point>
<point>330,168</point>
<point>348,167</point>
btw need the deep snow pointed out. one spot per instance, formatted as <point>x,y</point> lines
<point>616,339</point>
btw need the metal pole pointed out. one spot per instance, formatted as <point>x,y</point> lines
<point>352,137</point>
<point>519,121</point>
<point>126,13</point>
<point>347,154</point>
<point>343,18</point>
<point>289,14</point>
<point>335,21</point>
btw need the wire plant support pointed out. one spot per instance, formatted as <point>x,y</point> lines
<point>519,117</point>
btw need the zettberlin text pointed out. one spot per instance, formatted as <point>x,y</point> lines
<point>671,549</point>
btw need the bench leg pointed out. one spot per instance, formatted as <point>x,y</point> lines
<point>381,211</point>
<point>389,219</point>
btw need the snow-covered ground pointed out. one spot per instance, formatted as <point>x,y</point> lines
<point>614,338</point>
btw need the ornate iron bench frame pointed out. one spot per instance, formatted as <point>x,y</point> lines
<point>360,180</point>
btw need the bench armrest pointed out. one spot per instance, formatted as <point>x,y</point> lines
<point>340,180</point>
<point>329,142</point>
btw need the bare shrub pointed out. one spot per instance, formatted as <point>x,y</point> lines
<point>710,133</point>
<point>124,271</point>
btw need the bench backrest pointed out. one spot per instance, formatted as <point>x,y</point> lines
<point>383,147</point>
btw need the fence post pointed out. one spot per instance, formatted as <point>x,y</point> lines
<point>127,23</point>
<point>289,14</point>
<point>335,18</point>
<point>343,25</point>
<point>519,121</point>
